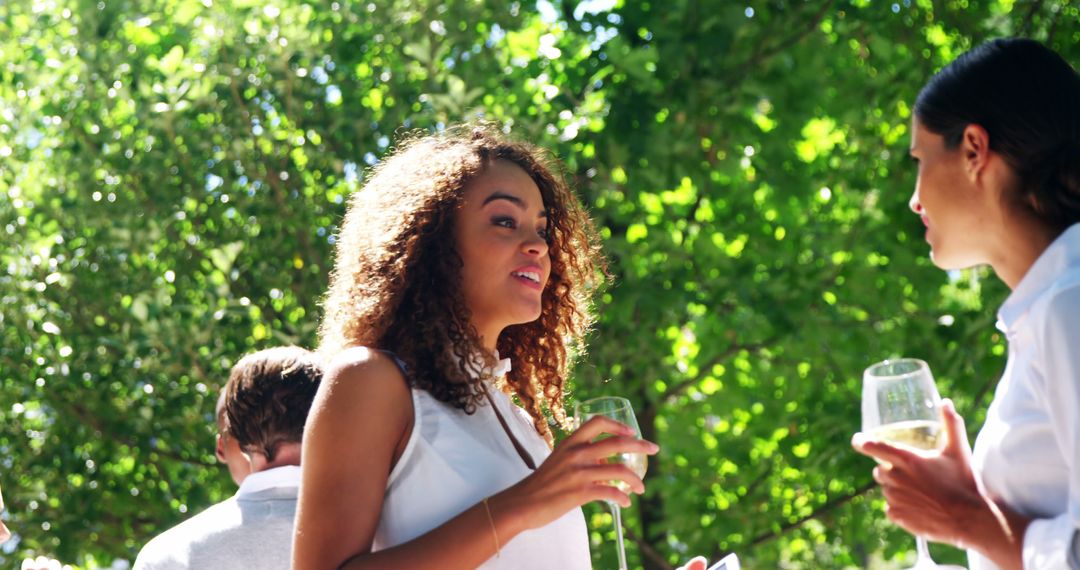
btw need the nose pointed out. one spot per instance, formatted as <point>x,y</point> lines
<point>914,203</point>
<point>535,245</point>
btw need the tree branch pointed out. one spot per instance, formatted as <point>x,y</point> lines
<point>679,388</point>
<point>828,506</point>
<point>1029,18</point>
<point>648,551</point>
<point>785,44</point>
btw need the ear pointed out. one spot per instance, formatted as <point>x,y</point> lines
<point>975,145</point>
<point>219,449</point>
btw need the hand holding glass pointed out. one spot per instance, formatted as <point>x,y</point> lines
<point>901,406</point>
<point>618,409</point>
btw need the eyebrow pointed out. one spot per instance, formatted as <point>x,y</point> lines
<point>512,199</point>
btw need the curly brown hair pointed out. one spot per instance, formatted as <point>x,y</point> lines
<point>396,282</point>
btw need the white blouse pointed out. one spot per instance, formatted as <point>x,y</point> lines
<point>1027,454</point>
<point>452,461</point>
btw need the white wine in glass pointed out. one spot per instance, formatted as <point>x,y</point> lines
<point>901,406</point>
<point>620,410</point>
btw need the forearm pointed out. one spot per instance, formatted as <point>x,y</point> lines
<point>464,541</point>
<point>997,532</point>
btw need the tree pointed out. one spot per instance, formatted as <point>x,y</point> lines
<point>173,171</point>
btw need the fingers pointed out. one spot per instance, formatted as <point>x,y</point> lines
<point>890,476</point>
<point>621,444</point>
<point>599,425</point>
<point>603,492</point>
<point>695,563</point>
<point>608,473</point>
<point>880,450</point>
<point>956,439</point>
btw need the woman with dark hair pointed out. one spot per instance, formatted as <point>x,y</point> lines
<point>461,280</point>
<point>996,135</point>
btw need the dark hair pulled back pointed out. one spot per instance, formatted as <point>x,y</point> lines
<point>1027,97</point>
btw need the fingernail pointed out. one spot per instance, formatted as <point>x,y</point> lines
<point>858,439</point>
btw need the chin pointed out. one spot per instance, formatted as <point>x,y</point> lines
<point>526,316</point>
<point>943,263</point>
<point>952,263</point>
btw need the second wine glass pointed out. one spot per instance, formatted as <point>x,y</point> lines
<point>620,410</point>
<point>901,406</point>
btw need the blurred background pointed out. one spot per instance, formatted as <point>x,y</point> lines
<point>172,173</point>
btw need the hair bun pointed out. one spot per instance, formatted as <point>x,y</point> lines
<point>1055,183</point>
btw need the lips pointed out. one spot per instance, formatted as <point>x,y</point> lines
<point>530,276</point>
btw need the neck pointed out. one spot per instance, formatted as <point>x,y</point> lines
<point>286,454</point>
<point>489,338</point>
<point>1025,237</point>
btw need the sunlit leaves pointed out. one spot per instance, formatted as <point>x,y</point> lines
<point>172,173</point>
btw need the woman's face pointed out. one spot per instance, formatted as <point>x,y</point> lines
<point>946,200</point>
<point>501,236</point>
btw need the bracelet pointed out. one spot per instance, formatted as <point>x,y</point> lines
<point>491,520</point>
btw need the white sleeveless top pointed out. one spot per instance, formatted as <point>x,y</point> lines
<point>452,461</point>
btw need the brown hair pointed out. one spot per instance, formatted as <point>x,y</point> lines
<point>396,283</point>
<point>268,396</point>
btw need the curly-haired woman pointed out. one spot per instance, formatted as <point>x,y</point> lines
<point>996,134</point>
<point>461,248</point>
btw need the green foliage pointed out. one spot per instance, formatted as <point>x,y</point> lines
<point>171,173</point>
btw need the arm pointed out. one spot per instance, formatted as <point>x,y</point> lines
<point>1051,543</point>
<point>954,509</point>
<point>366,395</point>
<point>1012,540</point>
<point>344,477</point>
<point>934,494</point>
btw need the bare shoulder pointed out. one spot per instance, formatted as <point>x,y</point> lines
<point>361,379</point>
<point>361,414</point>
<point>363,389</point>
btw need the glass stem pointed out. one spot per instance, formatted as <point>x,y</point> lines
<point>617,513</point>
<point>923,559</point>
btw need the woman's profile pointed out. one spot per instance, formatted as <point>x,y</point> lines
<point>996,134</point>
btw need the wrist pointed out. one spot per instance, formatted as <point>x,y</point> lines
<point>997,532</point>
<point>510,518</point>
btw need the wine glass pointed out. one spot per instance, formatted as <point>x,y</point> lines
<point>618,409</point>
<point>901,406</point>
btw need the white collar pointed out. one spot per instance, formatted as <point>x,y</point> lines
<point>479,370</point>
<point>284,476</point>
<point>1064,252</point>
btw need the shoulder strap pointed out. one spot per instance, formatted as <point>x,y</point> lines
<point>517,444</point>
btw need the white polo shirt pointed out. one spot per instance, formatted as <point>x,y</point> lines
<point>252,529</point>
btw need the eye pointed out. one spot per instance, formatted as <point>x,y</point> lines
<point>544,233</point>
<point>504,221</point>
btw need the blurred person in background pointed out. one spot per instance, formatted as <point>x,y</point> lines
<point>226,447</point>
<point>267,398</point>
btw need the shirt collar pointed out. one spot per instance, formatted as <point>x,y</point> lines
<point>1063,252</point>
<point>479,370</point>
<point>284,476</point>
